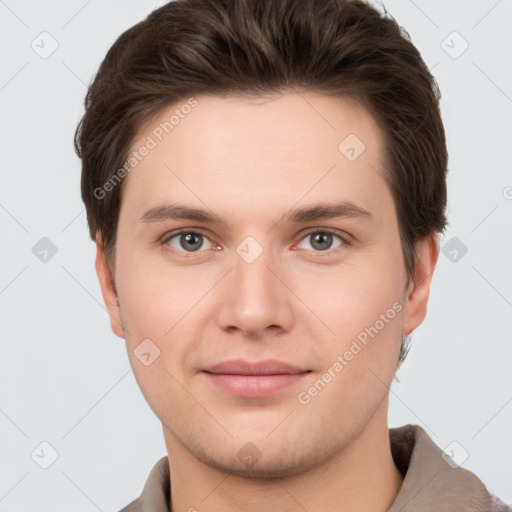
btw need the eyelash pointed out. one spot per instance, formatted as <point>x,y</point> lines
<point>344,239</point>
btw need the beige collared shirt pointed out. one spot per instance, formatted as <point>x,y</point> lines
<point>431,484</point>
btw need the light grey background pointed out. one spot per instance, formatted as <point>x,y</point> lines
<point>65,378</point>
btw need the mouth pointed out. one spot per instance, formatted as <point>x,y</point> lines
<point>245,379</point>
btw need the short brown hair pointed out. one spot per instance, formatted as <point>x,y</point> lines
<point>342,48</point>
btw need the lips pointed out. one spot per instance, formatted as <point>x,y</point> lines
<point>267,367</point>
<point>246,379</point>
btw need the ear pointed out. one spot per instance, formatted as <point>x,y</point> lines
<point>427,252</point>
<point>107,290</point>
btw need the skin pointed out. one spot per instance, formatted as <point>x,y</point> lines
<point>252,162</point>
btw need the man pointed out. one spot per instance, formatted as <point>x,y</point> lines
<point>265,182</point>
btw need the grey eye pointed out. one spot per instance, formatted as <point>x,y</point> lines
<point>321,240</point>
<point>188,241</point>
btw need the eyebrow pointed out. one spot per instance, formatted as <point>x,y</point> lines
<point>345,209</point>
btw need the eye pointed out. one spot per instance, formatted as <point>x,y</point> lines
<point>187,241</point>
<point>322,240</point>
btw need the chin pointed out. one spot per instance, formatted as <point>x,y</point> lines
<point>263,468</point>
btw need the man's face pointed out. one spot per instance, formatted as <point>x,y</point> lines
<point>263,283</point>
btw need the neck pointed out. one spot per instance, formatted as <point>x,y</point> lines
<point>360,477</point>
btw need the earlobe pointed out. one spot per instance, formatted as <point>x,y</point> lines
<point>427,252</point>
<point>108,290</point>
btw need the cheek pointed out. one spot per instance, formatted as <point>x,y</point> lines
<point>361,362</point>
<point>153,296</point>
<point>363,304</point>
<point>353,297</point>
<point>168,306</point>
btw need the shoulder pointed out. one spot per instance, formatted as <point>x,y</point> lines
<point>433,480</point>
<point>498,506</point>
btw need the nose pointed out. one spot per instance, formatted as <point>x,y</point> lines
<point>256,299</point>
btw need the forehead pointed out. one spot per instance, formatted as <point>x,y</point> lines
<point>235,152</point>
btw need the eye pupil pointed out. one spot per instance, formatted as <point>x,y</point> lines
<point>195,241</point>
<point>321,238</point>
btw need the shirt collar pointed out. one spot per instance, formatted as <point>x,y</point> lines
<point>432,481</point>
